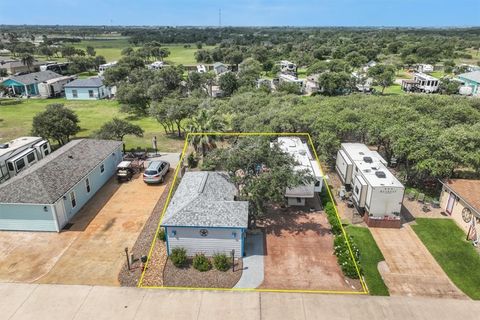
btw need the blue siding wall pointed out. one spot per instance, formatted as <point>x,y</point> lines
<point>27,217</point>
<point>34,217</point>
<point>97,179</point>
<point>84,95</point>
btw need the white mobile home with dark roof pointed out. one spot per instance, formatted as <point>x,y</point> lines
<point>46,196</point>
<point>375,190</point>
<point>204,217</point>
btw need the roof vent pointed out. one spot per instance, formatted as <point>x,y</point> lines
<point>374,168</point>
<point>3,145</point>
<point>70,157</point>
<point>380,174</point>
<point>361,153</point>
<point>368,159</point>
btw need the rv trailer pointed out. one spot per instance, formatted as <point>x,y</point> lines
<point>21,153</point>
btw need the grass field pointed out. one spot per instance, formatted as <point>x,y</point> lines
<point>369,259</point>
<point>392,90</point>
<point>111,49</point>
<point>457,257</point>
<point>16,121</point>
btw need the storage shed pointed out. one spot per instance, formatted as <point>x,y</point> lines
<point>203,216</point>
<point>48,194</point>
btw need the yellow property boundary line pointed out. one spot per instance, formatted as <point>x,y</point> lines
<point>244,134</point>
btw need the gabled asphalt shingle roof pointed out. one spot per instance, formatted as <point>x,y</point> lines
<point>85,83</point>
<point>35,77</point>
<point>49,179</point>
<point>206,199</point>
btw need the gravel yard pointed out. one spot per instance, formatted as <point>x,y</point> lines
<point>142,246</point>
<point>189,277</point>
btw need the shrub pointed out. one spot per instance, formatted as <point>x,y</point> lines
<point>192,161</point>
<point>201,263</point>
<point>162,235</point>
<point>179,257</point>
<point>344,257</point>
<point>221,262</point>
<point>333,219</point>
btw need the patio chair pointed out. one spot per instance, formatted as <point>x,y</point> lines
<point>411,196</point>
<point>421,197</point>
<point>426,207</point>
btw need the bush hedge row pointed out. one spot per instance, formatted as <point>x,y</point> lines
<point>200,262</point>
<point>341,250</point>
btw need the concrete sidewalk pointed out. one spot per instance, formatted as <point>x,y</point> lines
<point>33,301</point>
<point>253,269</point>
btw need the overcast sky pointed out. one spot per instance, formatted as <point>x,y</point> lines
<point>243,12</point>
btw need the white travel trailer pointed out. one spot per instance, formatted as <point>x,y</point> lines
<point>421,82</point>
<point>21,153</point>
<point>201,68</point>
<point>292,79</point>
<point>54,87</point>
<point>103,67</point>
<point>375,190</point>
<point>424,68</point>
<point>305,161</point>
<point>157,65</point>
<point>288,67</point>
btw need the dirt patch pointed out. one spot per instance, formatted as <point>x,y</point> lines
<point>153,276</point>
<point>189,277</point>
<point>299,252</point>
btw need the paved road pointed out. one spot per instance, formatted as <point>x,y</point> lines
<point>410,269</point>
<point>33,301</point>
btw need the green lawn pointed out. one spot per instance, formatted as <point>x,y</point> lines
<point>457,257</point>
<point>392,90</point>
<point>16,120</point>
<point>370,256</point>
<point>111,49</point>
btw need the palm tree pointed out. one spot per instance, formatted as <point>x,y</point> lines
<point>28,60</point>
<point>205,123</point>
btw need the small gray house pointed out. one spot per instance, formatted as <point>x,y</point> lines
<point>47,195</point>
<point>203,216</point>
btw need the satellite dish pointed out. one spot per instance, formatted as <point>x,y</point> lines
<point>467,215</point>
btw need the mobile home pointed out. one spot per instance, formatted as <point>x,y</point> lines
<point>421,82</point>
<point>103,67</point>
<point>300,151</point>
<point>19,154</point>
<point>54,87</point>
<point>47,195</point>
<point>288,67</point>
<point>375,190</point>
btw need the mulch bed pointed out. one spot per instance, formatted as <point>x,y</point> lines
<point>142,246</point>
<point>190,277</point>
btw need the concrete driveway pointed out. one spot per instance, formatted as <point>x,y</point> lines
<point>299,254</point>
<point>92,250</point>
<point>409,268</point>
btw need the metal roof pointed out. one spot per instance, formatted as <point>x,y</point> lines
<point>94,82</point>
<point>206,199</point>
<point>52,177</point>
<point>472,76</point>
<point>305,161</point>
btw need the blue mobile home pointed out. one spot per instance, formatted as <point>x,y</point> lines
<point>47,195</point>
<point>87,89</point>
<point>27,84</point>
<point>204,217</point>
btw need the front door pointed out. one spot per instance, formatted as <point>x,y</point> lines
<point>450,203</point>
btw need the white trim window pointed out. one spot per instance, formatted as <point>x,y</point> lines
<point>75,93</point>
<point>87,185</point>
<point>73,199</point>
